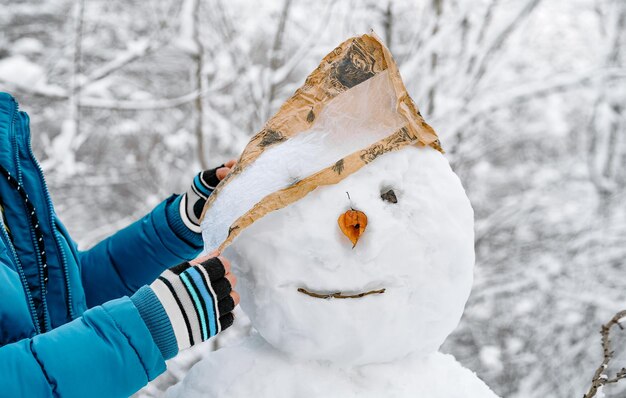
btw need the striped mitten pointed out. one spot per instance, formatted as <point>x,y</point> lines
<point>187,304</point>
<point>193,200</point>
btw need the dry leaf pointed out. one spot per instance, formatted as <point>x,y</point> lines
<point>353,224</point>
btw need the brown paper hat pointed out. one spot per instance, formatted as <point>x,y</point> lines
<point>351,109</point>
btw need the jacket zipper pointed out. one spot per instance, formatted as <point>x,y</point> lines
<point>33,236</point>
<point>20,270</point>
<point>64,268</point>
<point>47,322</point>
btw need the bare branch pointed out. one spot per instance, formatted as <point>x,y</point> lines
<point>276,56</point>
<point>604,150</point>
<point>524,93</point>
<point>198,57</point>
<point>388,25</point>
<point>600,378</point>
<point>434,57</point>
<point>124,105</point>
<point>499,40</point>
<point>44,91</point>
<point>485,23</point>
<point>135,50</point>
<point>283,72</point>
<point>74,103</point>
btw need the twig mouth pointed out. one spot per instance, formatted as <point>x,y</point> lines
<point>339,295</point>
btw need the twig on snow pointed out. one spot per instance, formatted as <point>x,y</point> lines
<point>600,378</point>
<point>339,295</point>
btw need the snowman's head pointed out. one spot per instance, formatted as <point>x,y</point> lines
<point>420,250</point>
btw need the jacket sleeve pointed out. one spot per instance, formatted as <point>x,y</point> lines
<point>137,254</point>
<point>108,352</point>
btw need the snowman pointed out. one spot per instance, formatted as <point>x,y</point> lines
<point>351,285</point>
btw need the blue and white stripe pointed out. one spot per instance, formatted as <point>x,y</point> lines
<point>191,303</point>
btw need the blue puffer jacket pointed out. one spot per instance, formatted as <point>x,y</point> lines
<point>84,336</point>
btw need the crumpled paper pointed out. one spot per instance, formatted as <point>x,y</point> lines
<point>353,62</point>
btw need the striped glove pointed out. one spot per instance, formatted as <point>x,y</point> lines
<point>193,200</point>
<point>187,304</point>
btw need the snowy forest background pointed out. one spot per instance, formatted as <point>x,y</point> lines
<point>128,100</point>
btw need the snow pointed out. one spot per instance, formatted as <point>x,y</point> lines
<point>351,121</point>
<point>27,46</point>
<point>420,250</point>
<point>254,369</point>
<point>19,70</point>
<point>186,40</point>
<point>427,233</point>
<point>61,155</point>
<point>490,357</point>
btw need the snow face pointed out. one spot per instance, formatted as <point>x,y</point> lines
<point>255,369</point>
<point>419,249</point>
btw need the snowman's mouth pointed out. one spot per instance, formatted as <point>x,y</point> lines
<point>339,295</point>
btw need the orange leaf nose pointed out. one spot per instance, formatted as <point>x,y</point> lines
<point>353,224</point>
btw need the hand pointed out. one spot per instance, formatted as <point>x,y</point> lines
<point>194,199</point>
<point>198,298</point>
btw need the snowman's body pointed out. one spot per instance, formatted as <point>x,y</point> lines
<point>420,250</point>
<point>256,369</point>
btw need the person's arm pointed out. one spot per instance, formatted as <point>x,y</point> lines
<point>108,352</point>
<point>115,349</point>
<point>137,254</point>
<point>134,256</point>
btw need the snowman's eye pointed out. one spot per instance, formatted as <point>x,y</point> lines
<point>389,196</point>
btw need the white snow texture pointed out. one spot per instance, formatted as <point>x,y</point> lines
<point>254,369</point>
<point>419,249</point>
